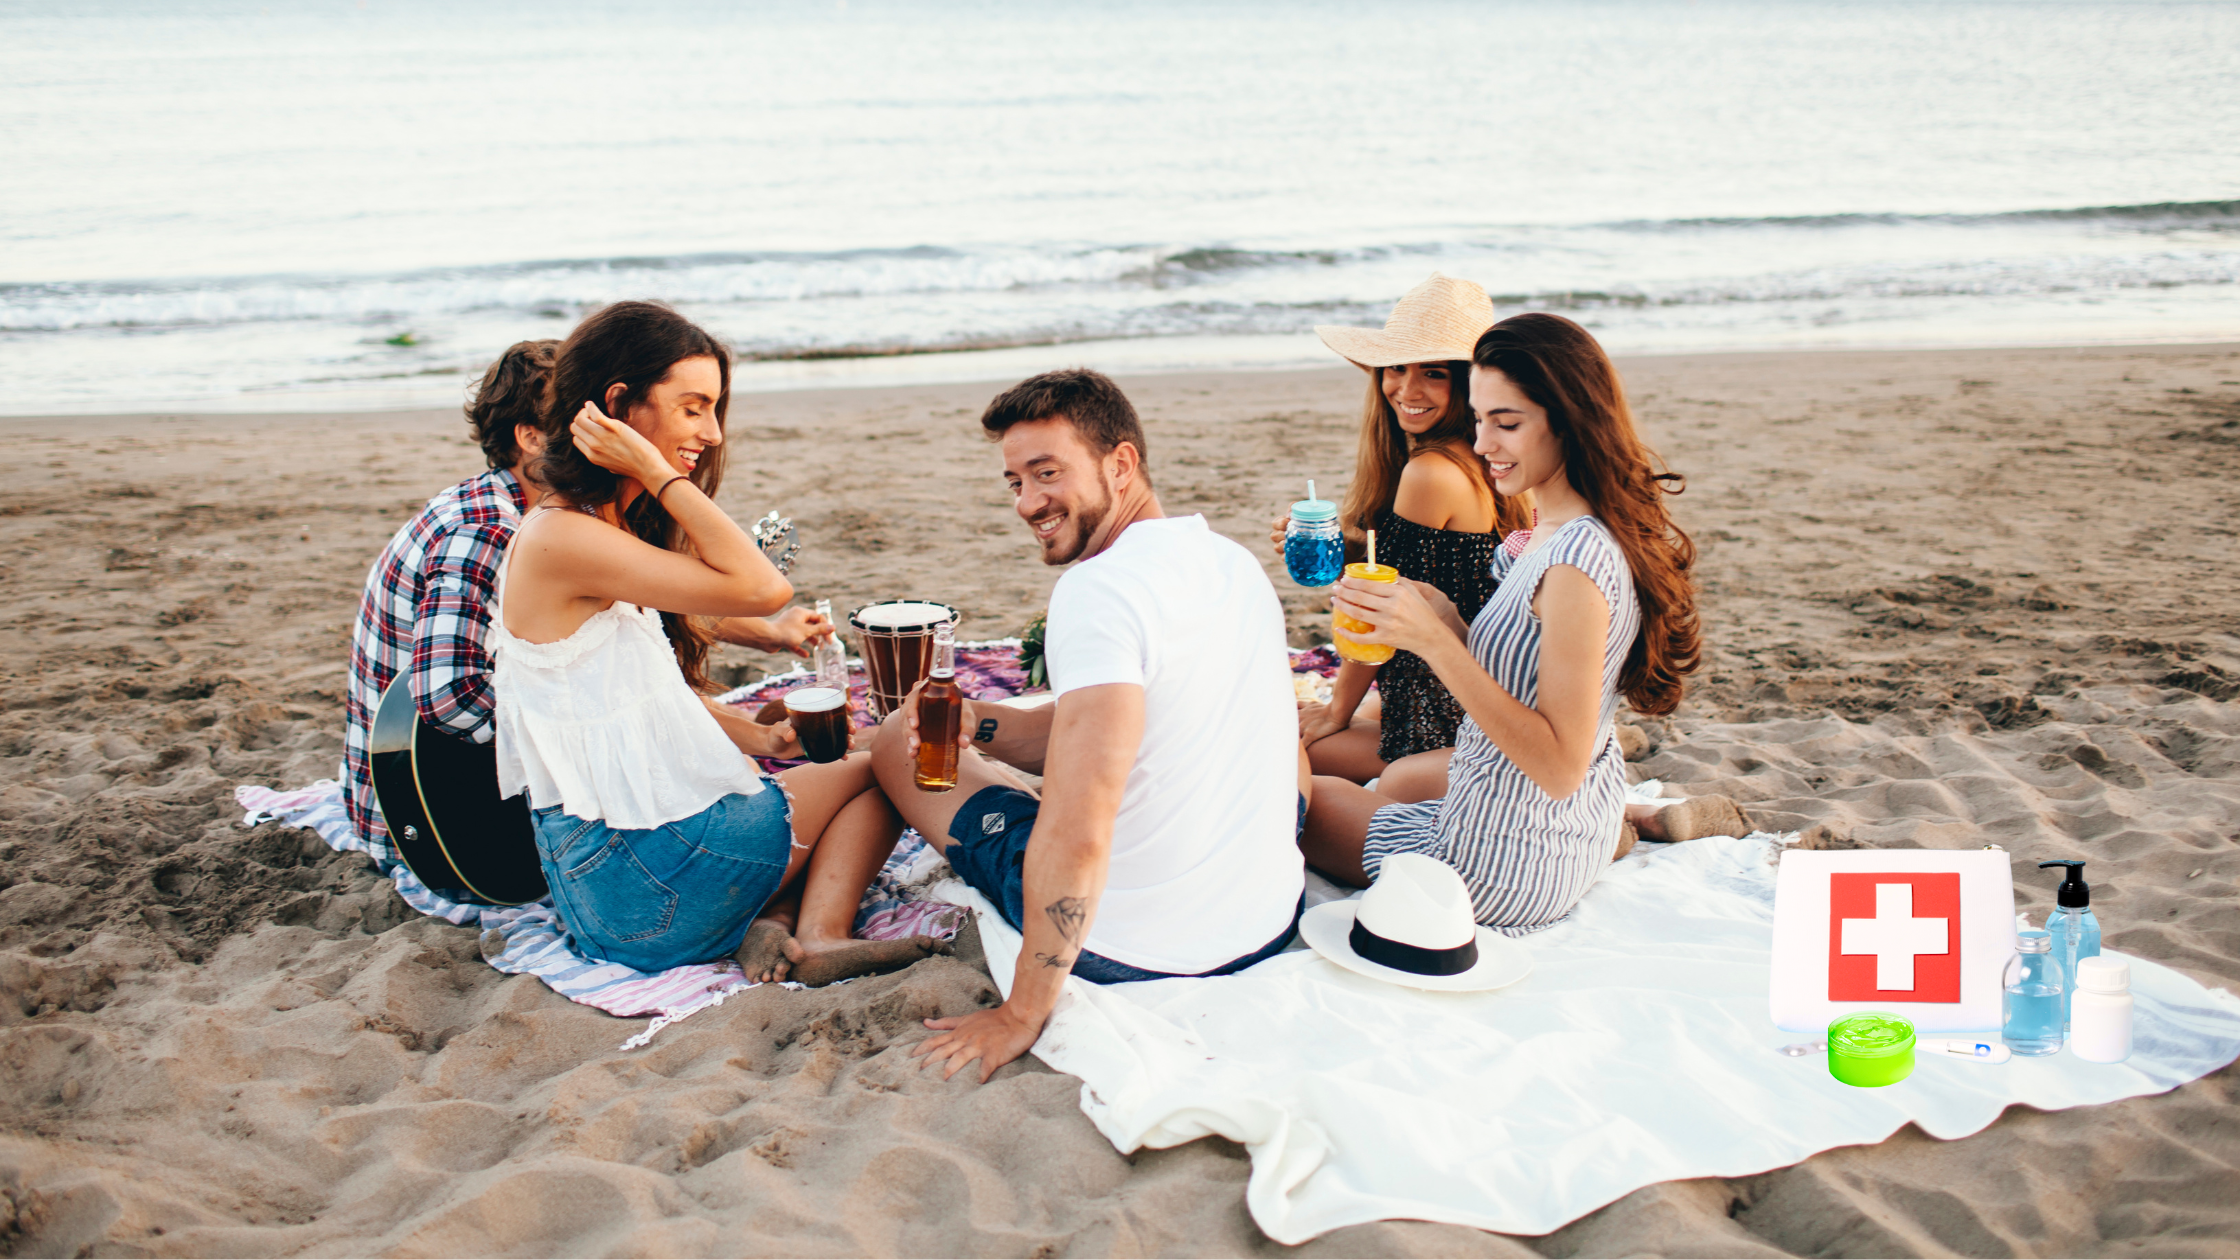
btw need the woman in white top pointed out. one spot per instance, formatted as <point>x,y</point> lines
<point>661,840</point>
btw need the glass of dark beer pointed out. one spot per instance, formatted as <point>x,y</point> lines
<point>820,721</point>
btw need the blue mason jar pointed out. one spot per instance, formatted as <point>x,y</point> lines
<point>1314,549</point>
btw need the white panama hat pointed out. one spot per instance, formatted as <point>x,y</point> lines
<point>1415,927</point>
<point>1438,321</point>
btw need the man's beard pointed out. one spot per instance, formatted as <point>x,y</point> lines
<point>1072,538</point>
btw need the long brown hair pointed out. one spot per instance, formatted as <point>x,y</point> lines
<point>631,344</point>
<point>1563,370</point>
<point>1385,449</point>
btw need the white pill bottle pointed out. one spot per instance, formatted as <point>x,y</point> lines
<point>2100,1020</point>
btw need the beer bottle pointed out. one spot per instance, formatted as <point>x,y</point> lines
<point>940,713</point>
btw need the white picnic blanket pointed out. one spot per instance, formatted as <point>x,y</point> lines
<point>1638,1051</point>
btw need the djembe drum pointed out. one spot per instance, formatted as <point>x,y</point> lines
<point>896,641</point>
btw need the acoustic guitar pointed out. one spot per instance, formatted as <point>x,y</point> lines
<point>438,792</point>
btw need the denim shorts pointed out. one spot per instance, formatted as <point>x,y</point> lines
<point>683,892</point>
<point>991,830</point>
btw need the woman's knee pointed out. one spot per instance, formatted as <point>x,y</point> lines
<point>839,780</point>
<point>1350,754</point>
<point>1421,777</point>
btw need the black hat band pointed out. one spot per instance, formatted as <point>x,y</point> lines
<point>1412,959</point>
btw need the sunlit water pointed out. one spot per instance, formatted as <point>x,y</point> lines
<point>358,204</point>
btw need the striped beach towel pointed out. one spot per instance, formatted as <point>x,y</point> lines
<point>531,940</point>
<point>517,940</point>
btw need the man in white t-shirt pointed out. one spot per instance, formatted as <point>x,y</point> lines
<point>1165,839</point>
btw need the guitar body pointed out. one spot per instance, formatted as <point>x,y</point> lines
<point>438,794</point>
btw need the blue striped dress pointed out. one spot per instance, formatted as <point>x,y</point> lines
<point>1527,857</point>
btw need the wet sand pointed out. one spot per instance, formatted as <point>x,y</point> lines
<point>1952,598</point>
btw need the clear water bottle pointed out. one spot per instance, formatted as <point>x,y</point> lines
<point>829,659</point>
<point>2033,999</point>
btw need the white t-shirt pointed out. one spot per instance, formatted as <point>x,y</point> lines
<point>1205,862</point>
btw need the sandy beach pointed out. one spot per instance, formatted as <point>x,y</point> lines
<point>1951,598</point>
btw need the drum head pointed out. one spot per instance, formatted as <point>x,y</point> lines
<point>901,616</point>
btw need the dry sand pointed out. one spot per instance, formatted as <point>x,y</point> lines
<point>1952,597</point>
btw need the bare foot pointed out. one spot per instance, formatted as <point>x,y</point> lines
<point>1632,742</point>
<point>1695,817</point>
<point>1628,836</point>
<point>823,962</point>
<point>764,955</point>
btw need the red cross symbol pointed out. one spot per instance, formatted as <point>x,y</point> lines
<point>1894,937</point>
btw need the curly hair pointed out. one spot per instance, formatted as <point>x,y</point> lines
<point>511,393</point>
<point>631,344</point>
<point>1563,370</point>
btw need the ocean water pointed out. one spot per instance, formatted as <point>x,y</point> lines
<point>356,203</point>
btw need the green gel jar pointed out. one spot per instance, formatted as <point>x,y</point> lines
<point>1870,1049</point>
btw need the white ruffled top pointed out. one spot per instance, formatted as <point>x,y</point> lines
<point>603,724</point>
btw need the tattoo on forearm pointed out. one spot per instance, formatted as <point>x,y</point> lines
<point>1070,915</point>
<point>986,732</point>
<point>1053,961</point>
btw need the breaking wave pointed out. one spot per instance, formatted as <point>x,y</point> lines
<point>933,299</point>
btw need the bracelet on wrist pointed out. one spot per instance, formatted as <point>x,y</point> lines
<point>670,482</point>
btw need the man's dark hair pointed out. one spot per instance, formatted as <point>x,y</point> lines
<point>510,394</point>
<point>1087,400</point>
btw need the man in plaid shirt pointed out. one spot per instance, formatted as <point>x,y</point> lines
<point>428,598</point>
<point>427,606</point>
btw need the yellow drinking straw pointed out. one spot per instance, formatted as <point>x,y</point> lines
<point>1372,548</point>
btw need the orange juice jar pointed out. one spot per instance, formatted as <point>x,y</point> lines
<point>1362,653</point>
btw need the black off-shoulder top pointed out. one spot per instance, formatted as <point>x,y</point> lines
<point>1420,714</point>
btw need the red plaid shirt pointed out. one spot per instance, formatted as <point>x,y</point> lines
<point>427,603</point>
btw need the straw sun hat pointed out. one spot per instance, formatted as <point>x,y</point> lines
<point>1437,321</point>
<point>1414,927</point>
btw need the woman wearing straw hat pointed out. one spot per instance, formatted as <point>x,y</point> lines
<point>1599,605</point>
<point>1438,520</point>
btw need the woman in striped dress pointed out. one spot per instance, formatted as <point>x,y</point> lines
<point>1599,606</point>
